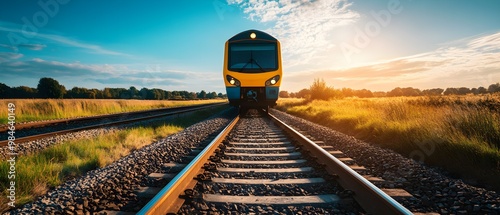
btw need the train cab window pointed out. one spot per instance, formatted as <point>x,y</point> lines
<point>252,58</point>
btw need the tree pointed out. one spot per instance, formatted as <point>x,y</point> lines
<point>379,94</point>
<point>432,92</point>
<point>213,95</point>
<point>494,88</point>
<point>319,91</point>
<point>482,90</point>
<point>143,93</point>
<point>347,92</point>
<point>463,91</point>
<point>284,94</point>
<point>410,91</point>
<point>4,91</point>
<point>451,91</point>
<point>134,93</point>
<point>304,93</point>
<point>185,94</point>
<point>168,95</point>
<point>50,88</point>
<point>364,93</point>
<point>202,94</point>
<point>77,92</point>
<point>395,92</point>
<point>191,96</point>
<point>175,95</point>
<point>23,92</point>
<point>158,94</point>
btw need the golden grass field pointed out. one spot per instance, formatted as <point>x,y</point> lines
<point>37,173</point>
<point>459,134</point>
<point>46,109</point>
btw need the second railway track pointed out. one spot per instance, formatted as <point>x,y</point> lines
<point>260,165</point>
<point>58,127</point>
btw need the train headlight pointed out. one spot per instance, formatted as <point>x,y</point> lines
<point>273,80</point>
<point>253,35</point>
<point>233,81</point>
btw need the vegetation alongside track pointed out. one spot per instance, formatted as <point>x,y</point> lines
<point>48,109</point>
<point>51,167</point>
<point>458,133</point>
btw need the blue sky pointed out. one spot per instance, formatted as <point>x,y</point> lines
<point>178,45</point>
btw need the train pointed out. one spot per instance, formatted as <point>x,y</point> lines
<point>252,70</point>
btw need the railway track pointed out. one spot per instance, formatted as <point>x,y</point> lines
<point>34,131</point>
<point>142,179</point>
<point>260,164</point>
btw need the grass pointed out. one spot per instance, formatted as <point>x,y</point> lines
<point>37,173</point>
<point>46,109</point>
<point>459,134</point>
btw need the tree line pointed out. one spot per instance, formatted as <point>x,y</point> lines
<point>320,91</point>
<point>50,88</point>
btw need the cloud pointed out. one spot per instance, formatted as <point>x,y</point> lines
<point>150,82</point>
<point>303,27</point>
<point>13,48</point>
<point>104,75</point>
<point>471,63</point>
<point>35,47</point>
<point>9,56</point>
<point>37,67</point>
<point>53,38</point>
<point>77,44</point>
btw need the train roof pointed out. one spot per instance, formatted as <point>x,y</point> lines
<point>246,35</point>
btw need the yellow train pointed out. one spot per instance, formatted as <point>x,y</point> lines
<point>252,69</point>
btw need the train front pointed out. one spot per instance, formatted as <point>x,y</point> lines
<point>252,69</point>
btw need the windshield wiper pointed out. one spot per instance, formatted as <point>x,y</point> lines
<point>252,61</point>
<point>260,67</point>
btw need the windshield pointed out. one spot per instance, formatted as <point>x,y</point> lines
<point>246,57</point>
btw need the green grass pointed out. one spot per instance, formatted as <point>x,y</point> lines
<point>47,109</point>
<point>459,134</point>
<point>37,173</point>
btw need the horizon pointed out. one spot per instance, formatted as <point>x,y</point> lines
<point>471,89</point>
<point>378,45</point>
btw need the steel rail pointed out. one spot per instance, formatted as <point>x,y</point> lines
<point>20,126</point>
<point>370,197</point>
<point>180,110</point>
<point>168,200</point>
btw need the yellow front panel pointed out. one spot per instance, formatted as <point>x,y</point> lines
<point>252,79</point>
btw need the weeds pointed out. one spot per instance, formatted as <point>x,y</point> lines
<point>465,130</point>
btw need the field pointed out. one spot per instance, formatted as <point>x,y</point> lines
<point>46,109</point>
<point>459,134</point>
<point>37,173</point>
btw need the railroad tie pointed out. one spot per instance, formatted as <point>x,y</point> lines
<point>274,200</point>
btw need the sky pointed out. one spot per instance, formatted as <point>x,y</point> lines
<point>178,45</point>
